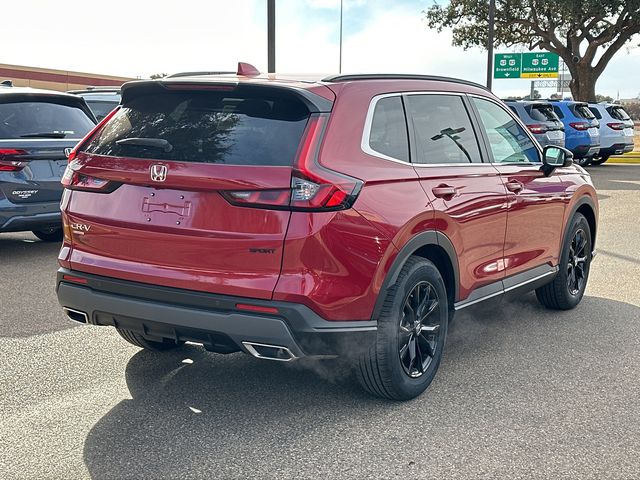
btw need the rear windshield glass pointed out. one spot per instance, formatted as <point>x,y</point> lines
<point>39,119</point>
<point>101,109</point>
<point>558,111</point>
<point>619,113</point>
<point>596,113</point>
<point>541,113</point>
<point>207,127</point>
<point>582,111</point>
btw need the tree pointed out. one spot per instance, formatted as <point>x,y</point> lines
<point>586,34</point>
<point>603,98</point>
<point>157,75</point>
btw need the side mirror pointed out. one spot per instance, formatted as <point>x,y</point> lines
<point>554,157</point>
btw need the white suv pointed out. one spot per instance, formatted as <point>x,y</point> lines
<point>616,130</point>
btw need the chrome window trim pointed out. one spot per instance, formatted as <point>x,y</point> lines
<point>364,143</point>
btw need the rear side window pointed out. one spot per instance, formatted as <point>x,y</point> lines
<point>442,129</point>
<point>596,112</point>
<point>618,113</point>
<point>388,134</point>
<point>558,111</point>
<point>101,109</point>
<point>41,119</point>
<point>206,127</point>
<point>582,111</point>
<point>541,113</point>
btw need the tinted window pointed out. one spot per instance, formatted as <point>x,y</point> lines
<point>101,109</point>
<point>618,113</point>
<point>557,111</point>
<point>508,141</point>
<point>442,129</point>
<point>208,127</point>
<point>541,113</point>
<point>596,112</point>
<point>582,111</point>
<point>42,119</point>
<point>388,134</point>
<point>513,109</point>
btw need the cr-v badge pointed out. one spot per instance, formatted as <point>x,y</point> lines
<point>158,173</point>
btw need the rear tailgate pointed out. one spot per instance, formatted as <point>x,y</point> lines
<point>161,213</point>
<point>39,165</point>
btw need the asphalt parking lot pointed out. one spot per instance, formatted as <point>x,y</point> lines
<point>522,392</point>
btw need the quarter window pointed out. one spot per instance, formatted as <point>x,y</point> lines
<point>508,141</point>
<point>442,130</point>
<point>388,134</point>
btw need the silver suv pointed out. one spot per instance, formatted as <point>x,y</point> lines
<point>541,120</point>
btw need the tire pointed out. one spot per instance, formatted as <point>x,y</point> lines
<point>599,161</point>
<point>139,341</point>
<point>386,368</point>
<point>567,288</point>
<point>53,234</point>
<point>584,161</point>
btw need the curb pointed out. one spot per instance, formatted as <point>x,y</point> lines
<point>634,158</point>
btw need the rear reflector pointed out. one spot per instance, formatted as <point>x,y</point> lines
<point>256,308</point>
<point>71,278</point>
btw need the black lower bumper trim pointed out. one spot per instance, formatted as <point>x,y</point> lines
<point>210,319</point>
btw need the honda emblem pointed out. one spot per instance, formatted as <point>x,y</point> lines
<point>159,173</point>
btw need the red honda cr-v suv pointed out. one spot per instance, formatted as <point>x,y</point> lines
<point>347,216</point>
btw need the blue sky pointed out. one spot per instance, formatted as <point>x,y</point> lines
<point>134,39</point>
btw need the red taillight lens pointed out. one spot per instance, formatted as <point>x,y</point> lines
<point>256,308</point>
<point>537,128</point>
<point>616,126</point>
<point>313,187</point>
<point>10,159</point>
<point>581,126</point>
<point>78,181</point>
<point>89,135</point>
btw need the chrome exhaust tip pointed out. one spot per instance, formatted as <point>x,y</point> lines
<point>269,352</point>
<point>76,315</point>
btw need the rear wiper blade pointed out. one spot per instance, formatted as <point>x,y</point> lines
<point>160,143</point>
<point>44,135</point>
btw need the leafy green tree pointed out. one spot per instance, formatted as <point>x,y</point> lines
<point>585,33</point>
<point>603,98</point>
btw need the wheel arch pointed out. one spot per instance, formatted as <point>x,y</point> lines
<point>434,246</point>
<point>585,206</point>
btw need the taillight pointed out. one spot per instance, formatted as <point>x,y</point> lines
<point>313,187</point>
<point>10,160</point>
<point>581,126</point>
<point>537,128</point>
<point>91,133</point>
<point>616,126</point>
<point>79,181</point>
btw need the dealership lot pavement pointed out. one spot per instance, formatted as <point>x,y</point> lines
<point>522,392</point>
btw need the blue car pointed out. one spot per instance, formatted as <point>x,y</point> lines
<point>581,128</point>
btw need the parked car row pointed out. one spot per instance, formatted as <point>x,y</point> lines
<point>593,132</point>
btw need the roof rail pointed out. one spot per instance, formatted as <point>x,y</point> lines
<point>395,76</point>
<point>7,83</point>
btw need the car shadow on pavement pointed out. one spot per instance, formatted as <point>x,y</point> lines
<point>198,414</point>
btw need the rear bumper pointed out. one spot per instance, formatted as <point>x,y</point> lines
<point>213,320</point>
<point>617,149</point>
<point>28,216</point>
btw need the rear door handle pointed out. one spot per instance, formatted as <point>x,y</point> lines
<point>514,186</point>
<point>444,191</point>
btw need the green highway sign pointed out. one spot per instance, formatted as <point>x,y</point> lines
<point>539,65</point>
<point>526,65</point>
<point>507,65</point>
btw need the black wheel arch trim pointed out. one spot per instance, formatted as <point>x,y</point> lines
<point>423,239</point>
<point>584,200</point>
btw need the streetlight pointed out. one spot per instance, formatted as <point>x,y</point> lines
<point>492,12</point>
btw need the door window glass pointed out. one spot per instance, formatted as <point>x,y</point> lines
<point>508,141</point>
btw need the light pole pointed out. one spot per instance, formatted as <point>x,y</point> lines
<point>271,36</point>
<point>492,12</point>
<point>340,58</point>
